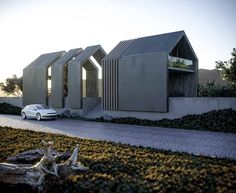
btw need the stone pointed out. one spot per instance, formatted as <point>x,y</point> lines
<point>65,113</point>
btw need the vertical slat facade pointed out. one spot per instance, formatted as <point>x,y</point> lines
<point>110,76</point>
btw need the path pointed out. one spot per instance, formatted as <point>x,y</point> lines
<point>197,142</point>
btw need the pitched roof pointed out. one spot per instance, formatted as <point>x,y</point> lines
<point>118,50</point>
<point>157,43</point>
<point>44,60</point>
<point>96,51</point>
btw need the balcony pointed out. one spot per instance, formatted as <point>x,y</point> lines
<point>180,64</point>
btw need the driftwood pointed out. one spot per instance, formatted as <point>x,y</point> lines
<point>31,156</point>
<point>34,175</point>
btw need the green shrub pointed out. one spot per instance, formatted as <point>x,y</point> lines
<point>213,90</point>
<point>9,109</point>
<point>118,168</point>
<point>220,120</point>
<point>179,64</point>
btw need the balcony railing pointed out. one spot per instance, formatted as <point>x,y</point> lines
<point>182,63</point>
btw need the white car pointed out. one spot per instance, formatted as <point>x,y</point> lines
<point>38,111</point>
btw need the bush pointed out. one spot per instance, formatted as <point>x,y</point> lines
<point>221,120</point>
<point>179,64</point>
<point>213,90</point>
<point>9,109</point>
<point>121,168</point>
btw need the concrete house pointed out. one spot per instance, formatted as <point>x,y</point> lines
<point>138,75</point>
<point>64,69</point>
<point>141,74</point>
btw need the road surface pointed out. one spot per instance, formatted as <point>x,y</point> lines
<point>215,144</point>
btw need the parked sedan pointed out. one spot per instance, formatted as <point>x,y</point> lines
<point>38,111</point>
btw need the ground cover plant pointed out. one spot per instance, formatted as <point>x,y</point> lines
<point>9,109</point>
<point>124,168</point>
<point>220,120</point>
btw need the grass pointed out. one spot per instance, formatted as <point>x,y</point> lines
<point>123,168</point>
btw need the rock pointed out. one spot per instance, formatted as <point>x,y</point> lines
<point>65,113</point>
<point>74,115</point>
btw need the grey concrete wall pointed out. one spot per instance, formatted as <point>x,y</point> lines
<point>99,88</point>
<point>182,84</point>
<point>143,82</point>
<point>35,86</point>
<point>181,106</point>
<point>74,98</point>
<point>57,86</point>
<point>75,83</point>
<point>15,101</point>
<point>91,79</point>
<point>89,103</point>
<point>196,72</point>
<point>110,76</point>
<point>35,78</point>
<point>58,75</point>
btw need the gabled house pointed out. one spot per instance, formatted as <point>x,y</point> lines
<point>141,74</point>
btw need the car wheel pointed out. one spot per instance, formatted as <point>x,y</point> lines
<point>23,115</point>
<point>38,116</point>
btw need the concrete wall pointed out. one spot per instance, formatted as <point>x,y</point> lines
<point>110,76</point>
<point>143,83</point>
<point>99,88</point>
<point>181,106</point>
<point>35,81</point>
<point>75,82</point>
<point>91,79</point>
<point>16,101</point>
<point>178,107</point>
<point>74,86</point>
<point>35,85</point>
<point>58,76</point>
<point>89,103</point>
<point>182,84</point>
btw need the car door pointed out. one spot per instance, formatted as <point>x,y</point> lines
<point>27,111</point>
<point>32,111</point>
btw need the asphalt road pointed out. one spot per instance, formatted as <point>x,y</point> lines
<point>215,144</point>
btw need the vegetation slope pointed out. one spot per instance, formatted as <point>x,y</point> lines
<point>124,168</point>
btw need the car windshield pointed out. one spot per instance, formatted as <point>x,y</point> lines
<point>42,107</point>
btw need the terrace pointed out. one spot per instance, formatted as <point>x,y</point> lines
<point>180,64</point>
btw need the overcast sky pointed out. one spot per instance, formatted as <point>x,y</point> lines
<point>29,28</point>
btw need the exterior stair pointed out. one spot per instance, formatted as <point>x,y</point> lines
<point>96,112</point>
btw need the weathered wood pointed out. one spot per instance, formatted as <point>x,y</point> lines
<point>31,156</point>
<point>14,174</point>
<point>34,175</point>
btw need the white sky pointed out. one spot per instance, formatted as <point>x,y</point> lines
<point>29,28</point>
